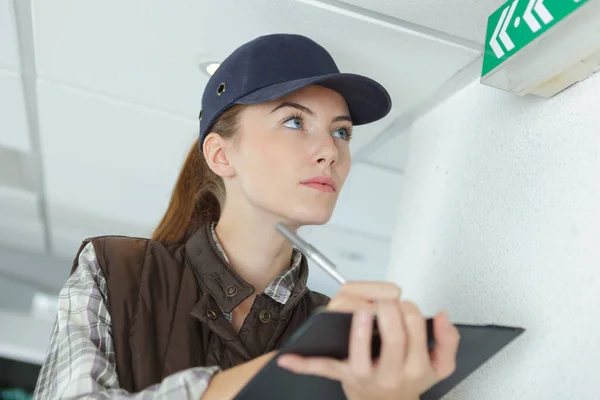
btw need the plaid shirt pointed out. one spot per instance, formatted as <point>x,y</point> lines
<point>80,362</point>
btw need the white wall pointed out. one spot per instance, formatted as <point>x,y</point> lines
<point>500,223</point>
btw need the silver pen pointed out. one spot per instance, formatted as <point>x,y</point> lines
<point>311,253</point>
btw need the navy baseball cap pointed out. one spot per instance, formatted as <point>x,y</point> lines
<point>272,66</point>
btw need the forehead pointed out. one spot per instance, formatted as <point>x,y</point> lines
<point>321,98</point>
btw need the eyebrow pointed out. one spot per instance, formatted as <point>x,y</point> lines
<point>309,111</point>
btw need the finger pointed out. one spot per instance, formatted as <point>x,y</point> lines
<point>418,362</point>
<point>360,344</point>
<point>447,338</point>
<point>318,366</point>
<point>350,304</point>
<point>371,290</point>
<point>393,340</point>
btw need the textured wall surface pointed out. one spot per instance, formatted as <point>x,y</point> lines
<point>500,223</point>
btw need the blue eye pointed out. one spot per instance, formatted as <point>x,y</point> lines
<point>293,123</point>
<point>343,134</point>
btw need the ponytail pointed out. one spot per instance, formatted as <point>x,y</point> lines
<point>199,193</point>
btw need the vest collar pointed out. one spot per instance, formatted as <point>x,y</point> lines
<point>216,277</point>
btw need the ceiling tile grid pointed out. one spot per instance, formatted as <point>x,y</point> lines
<point>108,159</point>
<point>151,54</point>
<point>119,87</point>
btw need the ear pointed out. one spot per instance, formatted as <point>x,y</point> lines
<point>215,152</point>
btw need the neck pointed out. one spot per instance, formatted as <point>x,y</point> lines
<point>256,251</point>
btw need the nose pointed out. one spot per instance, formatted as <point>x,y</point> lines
<point>326,152</point>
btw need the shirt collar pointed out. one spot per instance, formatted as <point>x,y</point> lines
<point>280,288</point>
<point>207,259</point>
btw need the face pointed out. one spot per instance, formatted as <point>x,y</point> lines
<point>291,157</point>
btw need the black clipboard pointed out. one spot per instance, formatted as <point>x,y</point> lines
<point>326,334</point>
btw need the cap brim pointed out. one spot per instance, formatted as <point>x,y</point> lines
<point>367,100</point>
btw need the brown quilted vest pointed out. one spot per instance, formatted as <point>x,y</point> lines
<point>165,303</point>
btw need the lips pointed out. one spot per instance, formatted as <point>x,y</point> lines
<point>321,183</point>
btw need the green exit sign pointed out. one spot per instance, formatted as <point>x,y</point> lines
<point>518,23</point>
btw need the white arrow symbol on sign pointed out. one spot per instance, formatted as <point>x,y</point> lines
<point>541,10</point>
<point>500,32</point>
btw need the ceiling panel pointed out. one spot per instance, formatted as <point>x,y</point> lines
<point>13,119</point>
<point>20,223</point>
<point>357,256</point>
<point>150,55</point>
<point>38,270</point>
<point>463,18</point>
<point>124,140</point>
<point>28,338</point>
<point>9,53</point>
<point>107,162</point>
<point>363,134</point>
<point>393,153</point>
<point>15,295</point>
<point>68,227</point>
<point>14,170</point>
<point>367,200</point>
<point>80,188</point>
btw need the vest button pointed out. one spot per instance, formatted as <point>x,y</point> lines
<point>211,314</point>
<point>264,316</point>
<point>231,291</point>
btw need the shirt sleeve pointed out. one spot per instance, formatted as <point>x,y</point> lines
<point>80,362</point>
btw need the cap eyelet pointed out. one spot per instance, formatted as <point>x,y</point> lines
<point>221,89</point>
<point>201,113</point>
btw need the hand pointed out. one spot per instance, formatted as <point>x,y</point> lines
<point>227,384</point>
<point>356,296</point>
<point>405,369</point>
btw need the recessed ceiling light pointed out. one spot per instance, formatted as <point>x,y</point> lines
<point>208,67</point>
<point>352,256</point>
<point>212,67</point>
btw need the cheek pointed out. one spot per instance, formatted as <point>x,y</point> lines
<point>267,176</point>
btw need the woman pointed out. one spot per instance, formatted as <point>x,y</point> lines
<point>197,310</point>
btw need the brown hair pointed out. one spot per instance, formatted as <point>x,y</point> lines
<point>199,193</point>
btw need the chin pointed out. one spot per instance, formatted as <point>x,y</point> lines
<point>301,211</point>
<point>313,216</point>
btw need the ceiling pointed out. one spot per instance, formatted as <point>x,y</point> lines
<point>466,19</point>
<point>99,104</point>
